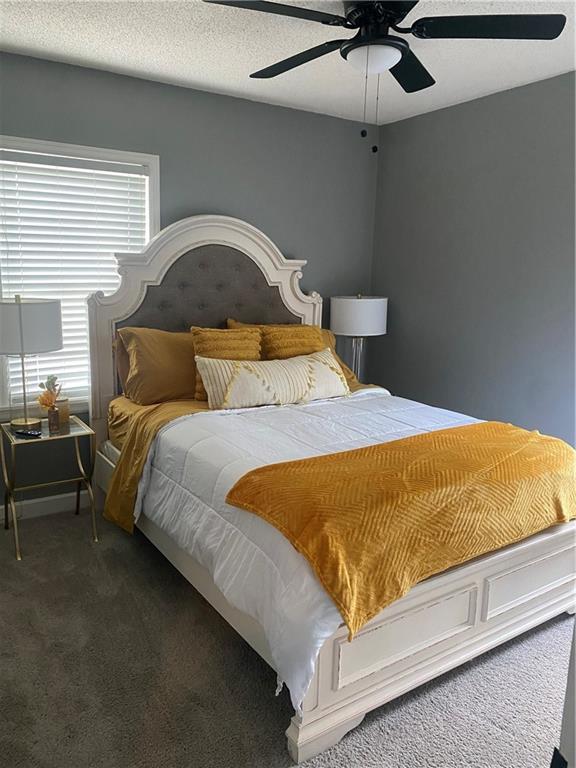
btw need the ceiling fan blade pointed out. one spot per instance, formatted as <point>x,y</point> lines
<point>283,10</point>
<point>411,74</point>
<point>518,27</point>
<point>298,59</point>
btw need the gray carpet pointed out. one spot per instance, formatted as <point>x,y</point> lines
<point>109,659</point>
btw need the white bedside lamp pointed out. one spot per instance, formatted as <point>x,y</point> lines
<point>29,327</point>
<point>358,317</point>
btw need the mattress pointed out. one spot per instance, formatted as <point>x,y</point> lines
<point>194,462</point>
<point>110,451</point>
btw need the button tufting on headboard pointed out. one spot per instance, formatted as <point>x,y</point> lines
<point>204,287</point>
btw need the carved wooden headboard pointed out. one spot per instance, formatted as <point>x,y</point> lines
<point>197,271</point>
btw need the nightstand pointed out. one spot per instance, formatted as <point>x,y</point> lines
<point>9,442</point>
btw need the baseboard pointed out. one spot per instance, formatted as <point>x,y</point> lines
<point>49,505</point>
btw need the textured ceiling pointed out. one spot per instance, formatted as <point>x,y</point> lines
<point>215,48</point>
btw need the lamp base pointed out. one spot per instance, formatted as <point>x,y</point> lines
<point>358,356</point>
<point>25,425</point>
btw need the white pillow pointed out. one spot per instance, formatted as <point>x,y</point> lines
<point>247,383</point>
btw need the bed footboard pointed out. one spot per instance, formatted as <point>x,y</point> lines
<point>443,622</point>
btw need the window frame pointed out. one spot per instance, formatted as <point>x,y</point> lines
<point>80,152</point>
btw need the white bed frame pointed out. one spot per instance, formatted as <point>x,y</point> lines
<point>443,621</point>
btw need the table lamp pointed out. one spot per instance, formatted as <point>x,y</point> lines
<point>358,317</point>
<point>29,327</point>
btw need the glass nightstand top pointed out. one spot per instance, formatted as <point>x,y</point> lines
<point>77,429</point>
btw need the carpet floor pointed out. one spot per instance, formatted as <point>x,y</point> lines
<point>110,659</point>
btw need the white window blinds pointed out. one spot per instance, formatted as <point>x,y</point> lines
<point>61,221</point>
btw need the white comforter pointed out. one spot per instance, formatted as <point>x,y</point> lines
<point>194,462</point>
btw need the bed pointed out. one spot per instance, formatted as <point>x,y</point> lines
<point>198,271</point>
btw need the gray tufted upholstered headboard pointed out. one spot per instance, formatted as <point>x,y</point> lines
<point>197,271</point>
<point>205,286</point>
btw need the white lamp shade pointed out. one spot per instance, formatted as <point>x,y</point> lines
<point>358,315</point>
<point>30,327</point>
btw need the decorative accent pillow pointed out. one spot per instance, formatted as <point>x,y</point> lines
<point>327,340</point>
<point>282,341</point>
<point>155,366</point>
<point>244,384</point>
<point>225,344</point>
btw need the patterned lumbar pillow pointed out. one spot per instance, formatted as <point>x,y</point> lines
<point>246,383</point>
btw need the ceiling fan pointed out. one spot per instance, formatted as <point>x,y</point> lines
<point>374,50</point>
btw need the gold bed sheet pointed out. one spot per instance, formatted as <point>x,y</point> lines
<point>136,428</point>
<point>120,414</point>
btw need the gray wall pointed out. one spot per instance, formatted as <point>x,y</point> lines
<point>308,181</point>
<point>474,247</point>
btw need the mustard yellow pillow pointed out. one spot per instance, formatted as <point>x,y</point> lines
<point>156,366</point>
<point>327,340</point>
<point>225,344</point>
<point>282,343</point>
<point>249,383</point>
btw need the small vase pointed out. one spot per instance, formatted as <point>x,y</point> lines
<point>53,421</point>
<point>63,406</point>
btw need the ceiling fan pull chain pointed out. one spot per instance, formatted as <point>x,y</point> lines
<point>375,147</point>
<point>365,91</point>
<point>364,132</point>
<point>366,86</point>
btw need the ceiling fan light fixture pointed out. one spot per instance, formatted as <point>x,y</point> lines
<point>374,58</point>
<point>373,50</point>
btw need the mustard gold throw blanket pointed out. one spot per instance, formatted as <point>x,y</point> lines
<point>144,426</point>
<point>374,521</point>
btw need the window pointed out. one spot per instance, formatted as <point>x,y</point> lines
<point>64,212</point>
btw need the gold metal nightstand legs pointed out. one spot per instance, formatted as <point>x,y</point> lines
<point>9,477</point>
<point>87,480</point>
<point>9,503</point>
